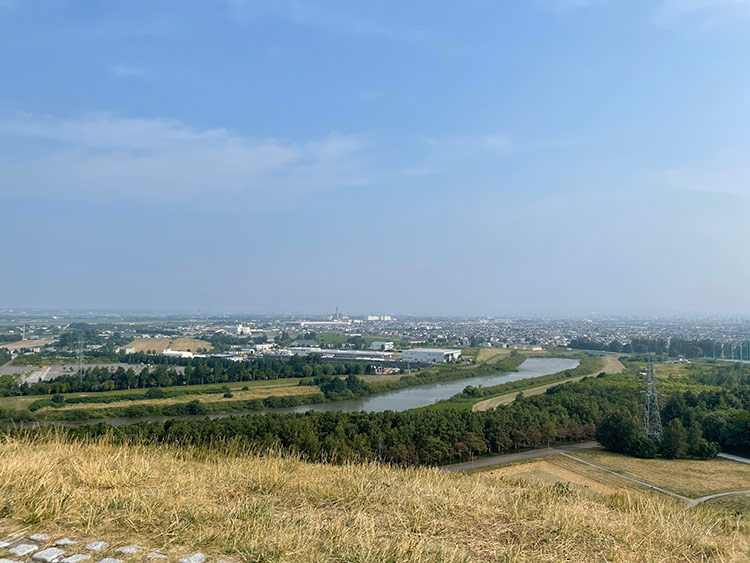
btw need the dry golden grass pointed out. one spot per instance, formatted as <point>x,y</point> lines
<point>739,504</point>
<point>281,509</point>
<point>688,477</point>
<point>157,345</point>
<point>558,469</point>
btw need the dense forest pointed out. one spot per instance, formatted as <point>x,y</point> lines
<point>711,405</point>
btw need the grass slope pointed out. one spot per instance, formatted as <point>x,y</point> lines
<point>282,509</point>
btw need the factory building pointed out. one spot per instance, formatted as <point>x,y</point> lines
<point>379,345</point>
<point>431,355</point>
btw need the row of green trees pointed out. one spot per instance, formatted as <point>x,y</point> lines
<point>568,412</point>
<point>201,371</point>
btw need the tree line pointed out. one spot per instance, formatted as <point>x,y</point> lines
<point>198,372</point>
<point>673,347</point>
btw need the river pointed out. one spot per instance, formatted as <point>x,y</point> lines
<point>398,400</point>
<point>423,395</point>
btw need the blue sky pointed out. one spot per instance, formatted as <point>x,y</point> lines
<point>474,157</point>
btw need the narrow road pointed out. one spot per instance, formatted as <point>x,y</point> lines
<point>507,458</point>
<point>735,458</point>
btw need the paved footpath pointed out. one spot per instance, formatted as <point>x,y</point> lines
<point>508,458</point>
<point>40,547</point>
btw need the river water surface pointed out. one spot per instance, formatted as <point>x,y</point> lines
<point>423,395</point>
<point>398,400</point>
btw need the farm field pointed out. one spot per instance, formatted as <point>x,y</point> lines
<point>26,344</point>
<point>157,345</point>
<point>237,395</point>
<point>23,402</point>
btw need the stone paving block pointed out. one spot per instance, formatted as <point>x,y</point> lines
<point>129,549</point>
<point>110,560</point>
<point>39,537</point>
<point>4,544</point>
<point>7,561</point>
<point>23,549</point>
<point>49,555</point>
<point>65,541</point>
<point>156,555</point>
<point>97,546</point>
<point>77,558</point>
<point>196,557</point>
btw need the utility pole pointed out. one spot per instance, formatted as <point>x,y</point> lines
<point>651,416</point>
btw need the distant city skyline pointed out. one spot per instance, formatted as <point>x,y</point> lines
<point>542,157</point>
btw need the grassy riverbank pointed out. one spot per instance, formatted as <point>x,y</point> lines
<point>236,397</point>
<point>590,365</point>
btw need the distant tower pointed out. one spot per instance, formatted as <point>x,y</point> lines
<point>79,357</point>
<point>652,418</point>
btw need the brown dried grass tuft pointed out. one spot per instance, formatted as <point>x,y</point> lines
<point>279,508</point>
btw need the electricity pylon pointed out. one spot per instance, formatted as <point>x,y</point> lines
<point>79,358</point>
<point>652,418</point>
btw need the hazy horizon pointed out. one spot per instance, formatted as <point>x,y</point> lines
<point>540,158</point>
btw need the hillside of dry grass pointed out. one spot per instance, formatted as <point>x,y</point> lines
<point>275,508</point>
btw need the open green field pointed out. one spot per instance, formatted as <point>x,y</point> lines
<point>257,392</point>
<point>335,339</point>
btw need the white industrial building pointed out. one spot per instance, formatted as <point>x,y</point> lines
<point>431,355</point>
<point>177,353</point>
<point>380,345</point>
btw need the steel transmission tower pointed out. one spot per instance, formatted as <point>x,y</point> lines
<point>652,418</point>
<point>79,358</point>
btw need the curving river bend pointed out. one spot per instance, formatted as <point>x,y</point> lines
<point>398,400</point>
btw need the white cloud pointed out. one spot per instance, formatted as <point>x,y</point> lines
<point>100,156</point>
<point>126,70</point>
<point>728,179</point>
<point>705,12</point>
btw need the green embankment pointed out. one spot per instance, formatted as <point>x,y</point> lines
<point>589,365</point>
<point>435,374</point>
